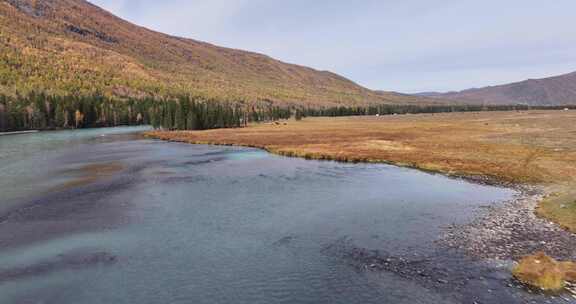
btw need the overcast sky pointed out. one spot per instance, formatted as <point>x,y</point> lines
<point>401,45</point>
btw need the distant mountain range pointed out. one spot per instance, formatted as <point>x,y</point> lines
<point>67,47</point>
<point>558,90</point>
<point>72,46</point>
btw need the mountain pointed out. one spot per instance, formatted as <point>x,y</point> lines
<point>73,46</point>
<point>558,90</point>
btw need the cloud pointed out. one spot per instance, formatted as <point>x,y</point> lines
<point>199,19</point>
<point>115,6</point>
<point>392,44</point>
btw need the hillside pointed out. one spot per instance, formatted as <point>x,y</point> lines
<point>559,90</point>
<point>72,46</point>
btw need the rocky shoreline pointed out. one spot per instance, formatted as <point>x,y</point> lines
<point>478,256</point>
<point>510,231</point>
<point>455,276</point>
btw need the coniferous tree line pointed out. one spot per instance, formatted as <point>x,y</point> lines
<point>44,112</point>
<point>188,113</point>
<point>416,109</point>
<point>39,111</point>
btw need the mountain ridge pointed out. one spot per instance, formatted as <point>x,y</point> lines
<point>548,91</point>
<point>74,46</point>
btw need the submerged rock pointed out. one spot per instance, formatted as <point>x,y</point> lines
<point>545,273</point>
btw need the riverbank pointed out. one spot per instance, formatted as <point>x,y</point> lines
<point>510,231</point>
<point>18,132</point>
<point>527,148</point>
<point>143,196</point>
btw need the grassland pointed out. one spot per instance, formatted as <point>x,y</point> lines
<point>534,147</point>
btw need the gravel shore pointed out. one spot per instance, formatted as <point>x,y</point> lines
<point>510,231</point>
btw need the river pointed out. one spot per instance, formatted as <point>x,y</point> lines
<point>107,216</point>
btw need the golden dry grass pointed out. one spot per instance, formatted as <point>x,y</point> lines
<point>537,147</point>
<point>543,272</point>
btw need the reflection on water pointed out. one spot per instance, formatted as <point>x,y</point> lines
<point>25,160</point>
<point>203,224</point>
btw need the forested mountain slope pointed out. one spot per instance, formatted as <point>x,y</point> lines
<point>67,47</point>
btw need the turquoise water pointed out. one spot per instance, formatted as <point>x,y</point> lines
<point>25,160</point>
<point>203,224</point>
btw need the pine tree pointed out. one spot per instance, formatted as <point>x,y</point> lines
<point>179,117</point>
<point>59,120</point>
<point>298,115</point>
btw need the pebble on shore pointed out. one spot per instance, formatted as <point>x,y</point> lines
<point>511,231</point>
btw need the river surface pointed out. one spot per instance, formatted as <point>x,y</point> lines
<point>106,216</point>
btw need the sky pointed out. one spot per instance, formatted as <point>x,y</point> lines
<point>396,45</point>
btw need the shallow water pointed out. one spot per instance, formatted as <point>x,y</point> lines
<point>185,223</point>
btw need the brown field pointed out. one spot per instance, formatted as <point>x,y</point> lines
<point>534,147</point>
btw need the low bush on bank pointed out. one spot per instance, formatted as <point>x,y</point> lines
<point>545,273</point>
